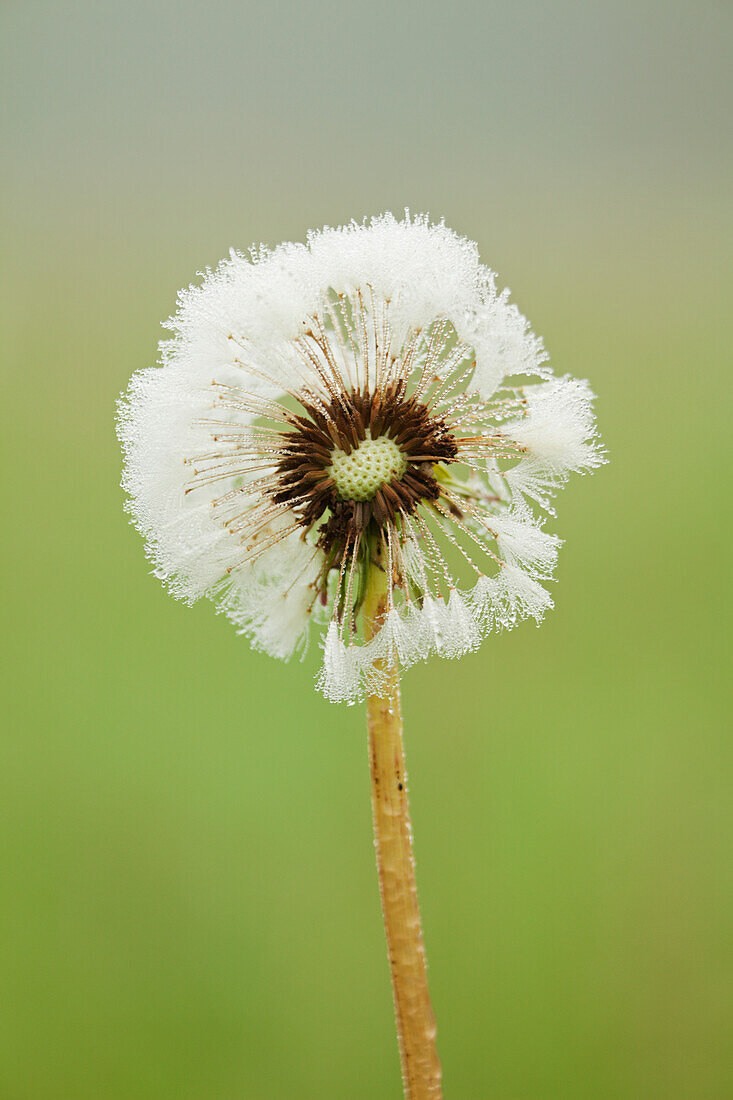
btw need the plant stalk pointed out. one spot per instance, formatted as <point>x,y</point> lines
<point>421,1072</point>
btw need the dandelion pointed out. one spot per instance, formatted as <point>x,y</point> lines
<point>359,436</point>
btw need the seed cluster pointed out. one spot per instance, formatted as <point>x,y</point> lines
<point>415,441</point>
<point>370,465</point>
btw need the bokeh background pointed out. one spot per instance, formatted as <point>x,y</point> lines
<point>189,905</point>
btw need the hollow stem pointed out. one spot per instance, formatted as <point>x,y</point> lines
<point>421,1073</point>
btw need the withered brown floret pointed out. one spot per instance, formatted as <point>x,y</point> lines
<point>305,484</point>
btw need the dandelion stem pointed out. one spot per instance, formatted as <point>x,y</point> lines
<point>421,1073</point>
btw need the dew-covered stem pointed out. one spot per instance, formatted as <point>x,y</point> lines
<point>421,1072</point>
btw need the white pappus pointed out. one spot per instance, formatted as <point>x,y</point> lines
<point>367,394</point>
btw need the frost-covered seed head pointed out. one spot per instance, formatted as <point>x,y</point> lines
<point>367,395</point>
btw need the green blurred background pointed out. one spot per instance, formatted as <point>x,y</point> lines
<point>189,906</point>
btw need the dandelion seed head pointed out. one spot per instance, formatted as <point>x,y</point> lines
<point>366,396</point>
